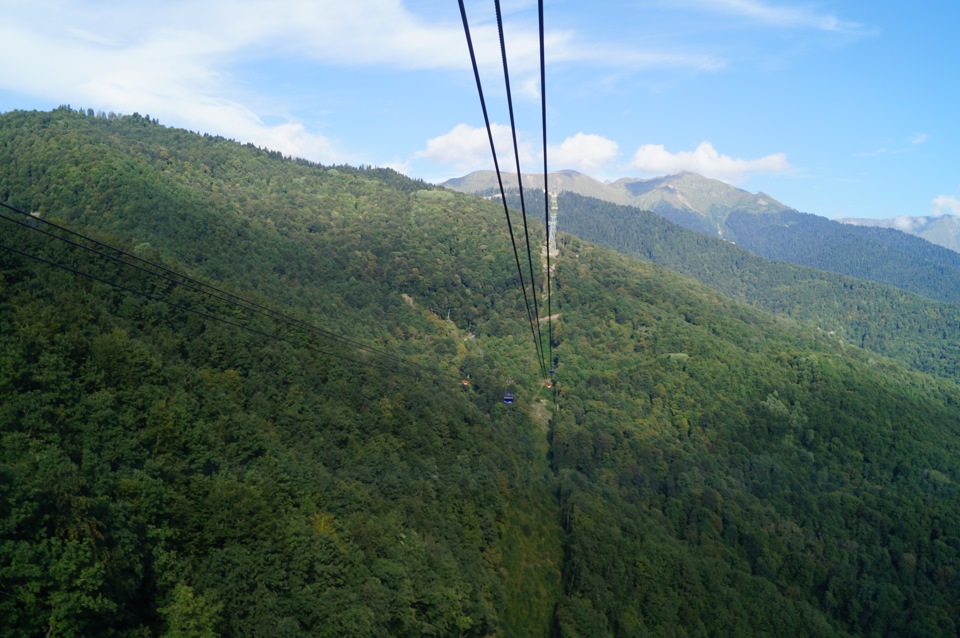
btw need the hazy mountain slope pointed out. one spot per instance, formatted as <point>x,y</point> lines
<point>921,333</point>
<point>876,254</point>
<point>710,470</point>
<point>943,230</point>
<point>688,199</point>
<point>696,202</point>
<point>485,182</point>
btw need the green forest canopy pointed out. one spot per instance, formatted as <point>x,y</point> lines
<point>921,333</point>
<point>706,469</point>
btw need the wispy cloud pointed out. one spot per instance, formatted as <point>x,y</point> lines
<point>945,204</point>
<point>781,15</point>
<point>569,46</point>
<point>151,61</point>
<point>911,141</point>
<point>907,223</point>
<point>157,59</point>
<point>706,160</point>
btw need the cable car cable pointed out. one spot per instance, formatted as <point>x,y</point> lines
<point>496,165</point>
<point>546,191</point>
<point>173,272</point>
<point>195,311</point>
<point>227,297</point>
<point>523,206</point>
<point>272,314</point>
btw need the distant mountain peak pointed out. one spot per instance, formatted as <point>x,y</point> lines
<point>685,197</point>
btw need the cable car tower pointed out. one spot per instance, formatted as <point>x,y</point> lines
<point>552,239</point>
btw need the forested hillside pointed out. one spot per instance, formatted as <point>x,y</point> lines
<point>705,468</point>
<point>942,230</point>
<point>922,333</point>
<point>167,474</point>
<point>883,255</point>
<point>758,223</point>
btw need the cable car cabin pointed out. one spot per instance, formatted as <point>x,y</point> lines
<point>508,399</point>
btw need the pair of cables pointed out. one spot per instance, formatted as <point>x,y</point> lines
<point>533,313</point>
<point>381,359</point>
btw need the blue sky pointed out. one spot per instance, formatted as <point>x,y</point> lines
<point>839,108</point>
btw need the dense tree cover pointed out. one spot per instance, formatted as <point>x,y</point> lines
<point>705,468</point>
<point>883,255</point>
<point>719,476</point>
<point>922,333</point>
<point>171,475</point>
<point>688,219</point>
<point>198,478</point>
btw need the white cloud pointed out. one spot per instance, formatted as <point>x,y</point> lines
<point>467,148</point>
<point>563,46</point>
<point>399,165</point>
<point>944,204</point>
<point>174,60</point>
<point>361,32</point>
<point>919,138</point>
<point>153,59</point>
<point>173,75</point>
<point>587,153</point>
<point>356,33</point>
<point>705,160</point>
<point>907,224</point>
<point>292,138</point>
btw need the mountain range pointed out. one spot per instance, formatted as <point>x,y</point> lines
<point>246,395</point>
<point>687,198</point>
<point>943,230</point>
<point>767,228</point>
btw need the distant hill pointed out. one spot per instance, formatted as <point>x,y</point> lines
<point>697,202</point>
<point>485,182</point>
<point>688,199</point>
<point>883,255</point>
<point>943,230</point>
<point>921,332</point>
<point>768,228</point>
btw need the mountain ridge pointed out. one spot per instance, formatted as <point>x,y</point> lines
<point>772,230</point>
<point>879,317</point>
<point>943,230</point>
<point>686,197</point>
